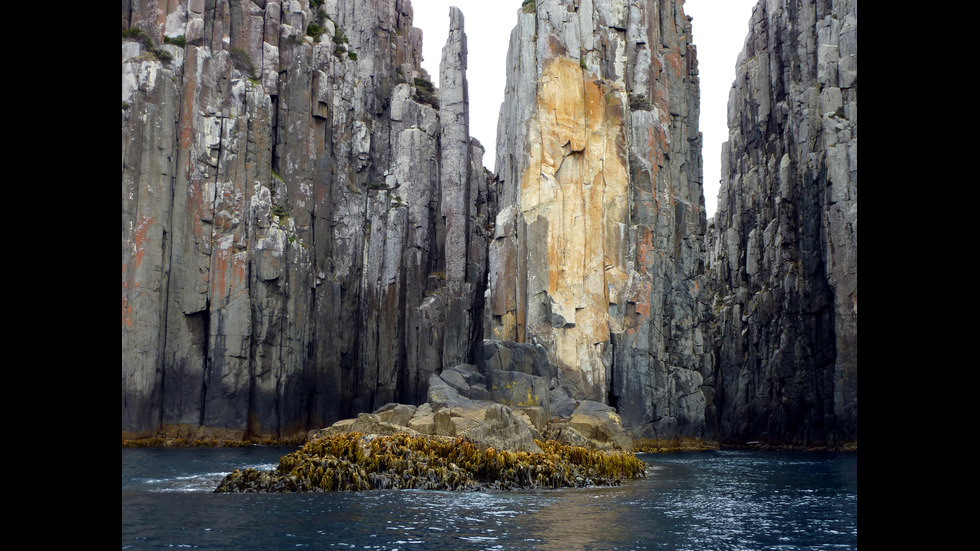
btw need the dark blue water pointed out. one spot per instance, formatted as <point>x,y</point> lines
<point>719,501</point>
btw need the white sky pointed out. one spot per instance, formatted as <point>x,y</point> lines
<point>487,25</point>
<point>720,27</point>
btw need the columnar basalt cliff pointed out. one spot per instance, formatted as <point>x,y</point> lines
<point>598,243</point>
<point>783,244</point>
<point>297,200</point>
<point>309,233</point>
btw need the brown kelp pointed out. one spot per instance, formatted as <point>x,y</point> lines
<point>354,461</point>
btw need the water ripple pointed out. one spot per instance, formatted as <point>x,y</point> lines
<point>723,501</point>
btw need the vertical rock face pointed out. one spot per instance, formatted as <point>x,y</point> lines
<point>294,204</point>
<point>597,245</point>
<point>309,233</point>
<point>783,245</point>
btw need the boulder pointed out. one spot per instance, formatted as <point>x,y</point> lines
<point>469,372</point>
<point>536,416</point>
<point>396,414</point>
<point>600,424</point>
<point>456,380</point>
<point>424,420</point>
<point>517,389</point>
<point>528,358</point>
<point>502,429</point>
<point>442,394</point>
<point>562,403</point>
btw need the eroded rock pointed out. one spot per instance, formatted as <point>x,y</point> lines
<point>598,240</point>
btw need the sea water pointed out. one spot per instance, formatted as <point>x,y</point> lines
<point>698,501</point>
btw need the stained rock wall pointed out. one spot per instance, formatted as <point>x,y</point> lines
<point>597,248</point>
<point>296,197</point>
<point>783,245</point>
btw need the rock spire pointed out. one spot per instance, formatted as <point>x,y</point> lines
<point>597,246</point>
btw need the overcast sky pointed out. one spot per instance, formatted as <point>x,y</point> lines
<point>720,27</point>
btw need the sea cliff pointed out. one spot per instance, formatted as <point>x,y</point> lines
<point>782,248</point>
<point>309,233</point>
<point>304,215</point>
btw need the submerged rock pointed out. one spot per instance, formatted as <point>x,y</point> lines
<point>355,461</point>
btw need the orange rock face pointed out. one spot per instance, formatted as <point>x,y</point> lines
<point>577,181</point>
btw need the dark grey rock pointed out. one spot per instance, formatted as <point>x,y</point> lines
<point>516,389</point>
<point>783,244</point>
<point>528,358</point>
<point>479,392</point>
<point>470,373</point>
<point>442,395</point>
<point>562,403</point>
<point>455,379</point>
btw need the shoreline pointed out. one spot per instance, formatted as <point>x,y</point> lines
<point>639,445</point>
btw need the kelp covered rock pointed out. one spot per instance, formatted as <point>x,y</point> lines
<point>354,461</point>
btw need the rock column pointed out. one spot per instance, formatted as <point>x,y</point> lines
<point>597,243</point>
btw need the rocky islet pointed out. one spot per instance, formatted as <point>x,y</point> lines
<point>452,442</point>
